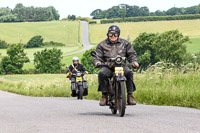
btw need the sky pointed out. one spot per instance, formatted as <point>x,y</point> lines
<point>85,7</point>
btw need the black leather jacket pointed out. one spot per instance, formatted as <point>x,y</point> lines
<point>122,47</point>
<point>80,68</point>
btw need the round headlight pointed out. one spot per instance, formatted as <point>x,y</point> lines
<point>119,59</point>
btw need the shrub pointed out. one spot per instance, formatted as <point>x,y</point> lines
<point>92,22</point>
<point>48,61</point>
<point>52,43</point>
<point>36,41</point>
<point>86,60</point>
<point>3,44</point>
<point>15,60</point>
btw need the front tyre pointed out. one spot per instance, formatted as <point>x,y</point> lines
<point>80,94</point>
<point>121,98</point>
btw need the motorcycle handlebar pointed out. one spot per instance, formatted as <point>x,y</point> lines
<point>106,65</point>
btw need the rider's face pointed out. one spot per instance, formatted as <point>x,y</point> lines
<point>113,36</point>
<point>76,62</point>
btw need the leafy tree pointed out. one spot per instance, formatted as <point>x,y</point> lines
<point>21,13</point>
<point>3,44</point>
<point>190,10</point>
<point>198,9</point>
<point>167,47</point>
<point>71,17</point>
<point>4,11</point>
<point>19,10</point>
<point>96,14</point>
<point>174,11</point>
<point>170,46</point>
<point>54,12</point>
<point>15,60</point>
<point>36,41</point>
<point>86,60</point>
<point>143,45</point>
<point>48,60</point>
<point>160,13</point>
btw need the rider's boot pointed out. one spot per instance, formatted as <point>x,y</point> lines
<point>131,100</point>
<point>103,100</point>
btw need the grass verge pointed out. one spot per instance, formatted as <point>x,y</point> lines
<point>172,89</point>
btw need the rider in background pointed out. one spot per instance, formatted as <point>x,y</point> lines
<point>110,48</point>
<point>73,68</point>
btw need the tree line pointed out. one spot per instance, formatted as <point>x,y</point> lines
<point>28,14</point>
<point>125,10</point>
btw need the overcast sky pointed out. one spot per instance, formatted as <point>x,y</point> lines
<point>85,7</point>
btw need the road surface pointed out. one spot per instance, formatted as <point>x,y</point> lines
<point>85,39</point>
<point>23,114</point>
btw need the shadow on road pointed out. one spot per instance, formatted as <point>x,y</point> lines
<point>103,114</point>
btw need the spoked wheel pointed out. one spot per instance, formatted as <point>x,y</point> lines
<point>121,98</point>
<point>80,93</point>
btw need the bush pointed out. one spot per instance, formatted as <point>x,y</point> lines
<point>3,44</point>
<point>167,47</point>
<point>92,22</point>
<point>52,43</point>
<point>36,41</point>
<point>13,63</point>
<point>48,61</point>
<point>86,60</point>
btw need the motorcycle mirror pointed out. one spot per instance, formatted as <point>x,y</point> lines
<point>93,53</point>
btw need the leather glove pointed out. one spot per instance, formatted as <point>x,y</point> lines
<point>86,72</point>
<point>67,74</point>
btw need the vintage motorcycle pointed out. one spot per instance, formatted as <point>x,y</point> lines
<point>78,85</point>
<point>116,88</point>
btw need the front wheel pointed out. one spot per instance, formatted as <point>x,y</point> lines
<point>121,98</point>
<point>80,92</point>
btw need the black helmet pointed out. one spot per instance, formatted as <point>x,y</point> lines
<point>114,28</point>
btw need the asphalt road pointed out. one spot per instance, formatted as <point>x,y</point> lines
<point>85,39</point>
<point>22,114</point>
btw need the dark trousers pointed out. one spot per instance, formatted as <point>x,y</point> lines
<point>106,73</point>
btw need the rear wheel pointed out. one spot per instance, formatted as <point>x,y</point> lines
<point>121,98</point>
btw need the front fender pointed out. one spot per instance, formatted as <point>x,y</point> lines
<point>121,78</point>
<point>79,83</point>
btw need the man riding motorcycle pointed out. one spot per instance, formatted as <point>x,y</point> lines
<point>110,48</point>
<point>74,68</point>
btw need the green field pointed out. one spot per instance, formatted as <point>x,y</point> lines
<point>65,32</point>
<point>174,89</point>
<point>194,47</point>
<point>132,30</point>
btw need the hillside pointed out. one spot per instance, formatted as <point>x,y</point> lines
<point>59,31</point>
<point>132,30</point>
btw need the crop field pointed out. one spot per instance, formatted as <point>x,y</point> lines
<point>173,88</point>
<point>132,30</point>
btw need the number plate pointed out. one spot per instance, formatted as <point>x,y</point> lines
<point>119,71</point>
<point>78,78</point>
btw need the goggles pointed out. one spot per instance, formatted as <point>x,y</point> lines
<point>115,34</point>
